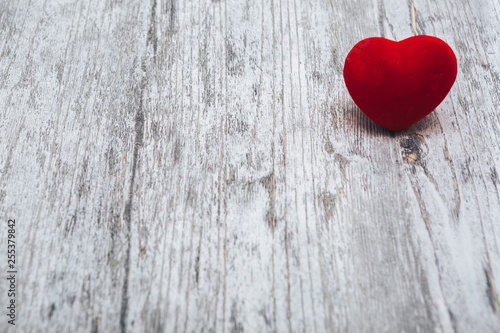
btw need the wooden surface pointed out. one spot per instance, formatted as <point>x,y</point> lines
<point>198,166</point>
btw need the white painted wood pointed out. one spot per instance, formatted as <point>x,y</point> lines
<point>198,166</point>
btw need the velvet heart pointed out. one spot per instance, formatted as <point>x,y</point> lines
<point>398,83</point>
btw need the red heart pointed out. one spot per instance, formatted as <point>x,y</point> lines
<point>398,83</point>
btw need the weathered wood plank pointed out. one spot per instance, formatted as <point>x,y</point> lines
<point>199,166</point>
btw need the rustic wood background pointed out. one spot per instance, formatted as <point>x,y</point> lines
<point>198,166</point>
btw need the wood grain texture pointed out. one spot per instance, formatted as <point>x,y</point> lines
<point>198,166</point>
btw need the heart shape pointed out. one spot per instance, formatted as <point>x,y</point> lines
<point>398,83</point>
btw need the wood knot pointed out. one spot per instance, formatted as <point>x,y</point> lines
<point>328,148</point>
<point>414,148</point>
<point>329,203</point>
